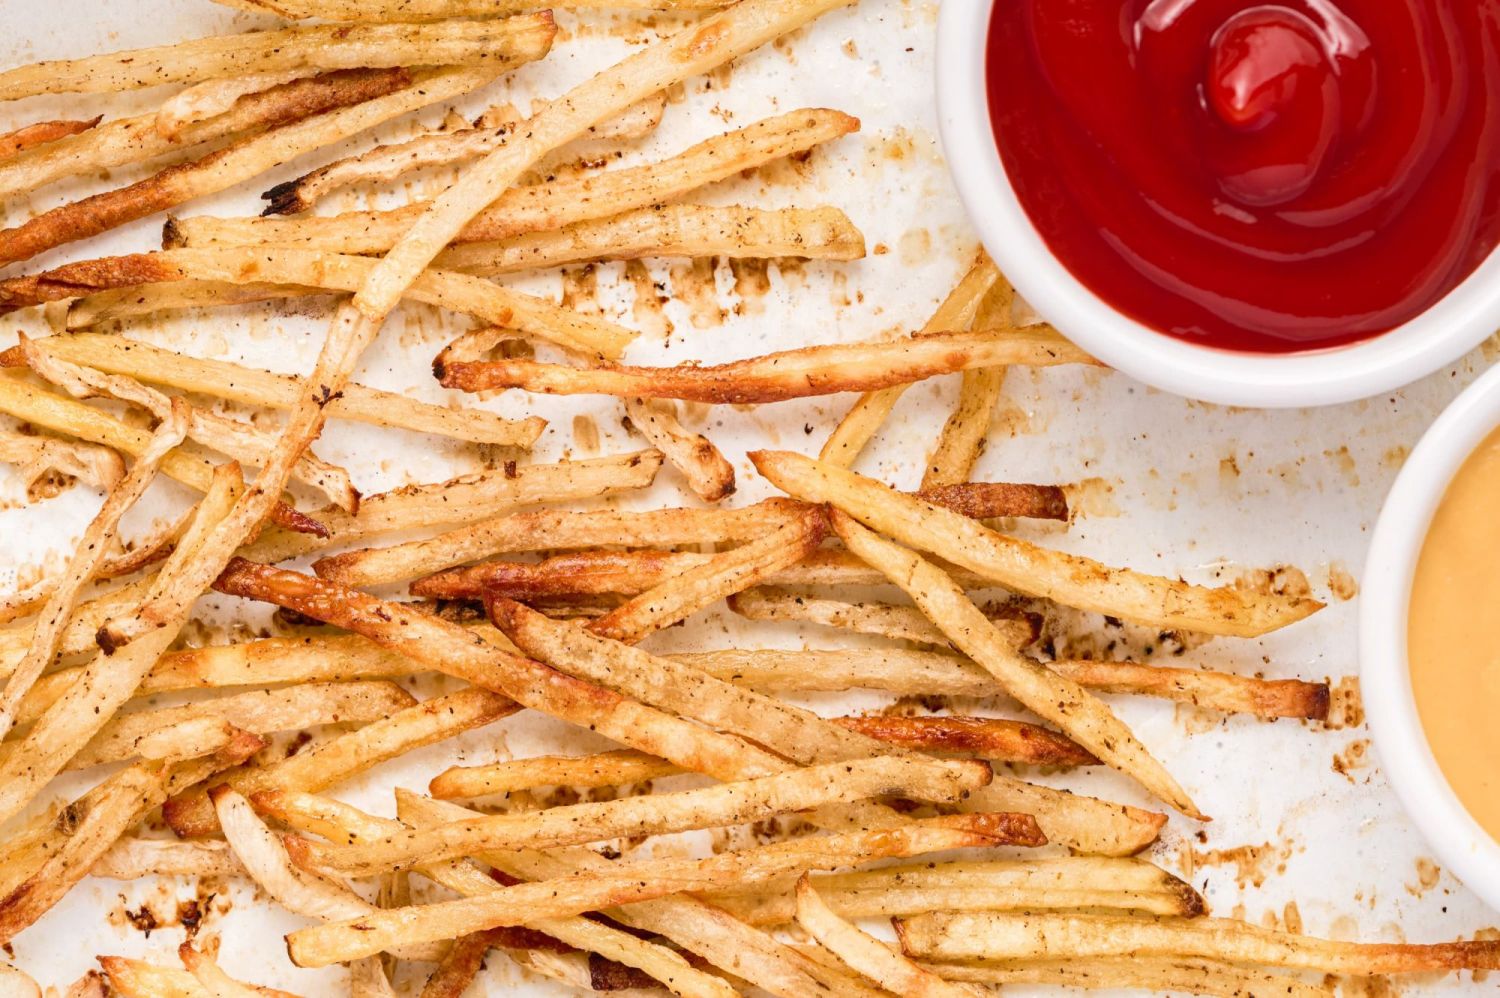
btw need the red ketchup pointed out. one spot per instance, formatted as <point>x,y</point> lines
<point>1265,177</point>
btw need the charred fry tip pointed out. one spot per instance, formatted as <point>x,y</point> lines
<point>172,236</point>
<point>1320,703</point>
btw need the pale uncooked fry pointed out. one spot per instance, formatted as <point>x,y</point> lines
<point>139,979</point>
<point>1049,935</point>
<point>38,457</point>
<point>321,945</point>
<point>41,133</point>
<point>862,421</point>
<point>660,814</point>
<point>589,335</point>
<point>705,929</point>
<point>354,752</point>
<point>1080,715</point>
<point>320,47</point>
<point>1158,976</point>
<point>107,682</point>
<point>439,148</point>
<point>549,205</point>
<point>725,574</point>
<point>131,858</point>
<point>709,474</point>
<point>149,299</point>
<point>231,165</point>
<point>1069,579</point>
<point>776,377</point>
<point>903,623</point>
<point>212,98</point>
<point>685,230</point>
<point>251,386</point>
<point>382,11</point>
<point>876,960</point>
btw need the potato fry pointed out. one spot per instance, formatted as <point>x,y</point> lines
<point>212,98</point>
<point>868,955</point>
<point>383,11</point>
<point>724,574</point>
<point>957,312</point>
<point>904,623</point>
<point>211,976</point>
<point>962,437</point>
<point>317,767</point>
<point>149,299</point>
<point>1193,977</point>
<point>659,814</point>
<point>39,458</point>
<point>233,164</point>
<point>1016,564</point>
<point>607,769</point>
<point>1034,935</point>
<point>132,858</point>
<point>321,945</point>
<point>708,473</point>
<point>41,133</point>
<point>320,47</point>
<point>139,979</point>
<point>777,377</point>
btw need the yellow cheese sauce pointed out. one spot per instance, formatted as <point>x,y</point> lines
<point>1453,641</point>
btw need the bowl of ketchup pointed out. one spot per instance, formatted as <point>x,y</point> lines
<point>1264,204</point>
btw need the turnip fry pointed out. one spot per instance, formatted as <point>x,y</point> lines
<point>708,472</point>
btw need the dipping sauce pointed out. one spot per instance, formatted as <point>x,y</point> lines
<point>1453,638</point>
<point>1266,177</point>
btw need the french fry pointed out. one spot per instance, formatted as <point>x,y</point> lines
<point>149,299</point>
<point>1049,935</point>
<point>607,769</point>
<point>97,541</point>
<point>212,98</point>
<point>321,945</point>
<point>139,979</point>
<point>724,574</point>
<point>78,637</point>
<point>986,500</point>
<point>107,682</point>
<point>227,167</point>
<point>447,147</point>
<point>659,814</point>
<point>777,377</point>
<point>861,422</point>
<point>445,289</point>
<point>132,858</point>
<point>317,767</point>
<point>211,976</point>
<point>384,11</point>
<point>1066,704</point>
<point>321,47</point>
<point>39,458</point>
<point>868,955</point>
<point>708,473</point>
<point>904,623</point>
<point>250,386</point>
<point>41,133</point>
<point>1193,977</point>
<point>1016,564</point>
<point>1080,882</point>
<point>1086,825</point>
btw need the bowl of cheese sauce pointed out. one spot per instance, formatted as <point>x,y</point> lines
<point>1430,637</point>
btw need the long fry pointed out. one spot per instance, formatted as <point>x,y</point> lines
<point>777,377</point>
<point>383,11</point>
<point>1068,579</point>
<point>1193,977</point>
<point>104,307</point>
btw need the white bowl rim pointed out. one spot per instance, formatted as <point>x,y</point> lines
<point>1449,329</point>
<point>1462,845</point>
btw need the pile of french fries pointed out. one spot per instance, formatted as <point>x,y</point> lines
<point>530,603</point>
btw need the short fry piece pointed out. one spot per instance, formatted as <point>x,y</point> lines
<point>139,979</point>
<point>709,474</point>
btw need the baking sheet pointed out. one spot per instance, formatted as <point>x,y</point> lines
<point>1306,830</point>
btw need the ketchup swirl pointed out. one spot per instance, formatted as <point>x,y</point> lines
<point>1266,177</point>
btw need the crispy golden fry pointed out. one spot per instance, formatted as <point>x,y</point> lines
<point>1193,977</point>
<point>446,147</point>
<point>383,11</point>
<point>149,299</point>
<point>724,574</point>
<point>107,681</point>
<point>41,133</point>
<point>98,539</point>
<point>1083,717</point>
<point>319,766</point>
<point>139,979</point>
<point>322,945</point>
<point>132,858</point>
<point>903,623</point>
<point>465,293</point>
<point>212,98</point>
<point>957,312</point>
<point>40,458</point>
<point>1016,564</point>
<point>660,814</point>
<point>777,377</point>
<point>707,471</point>
<point>868,955</point>
<point>997,936</point>
<point>321,47</point>
<point>226,167</point>
<point>702,928</point>
<point>117,355</point>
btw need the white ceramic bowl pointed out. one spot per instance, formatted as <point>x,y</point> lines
<point>1462,846</point>
<point>1438,337</point>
